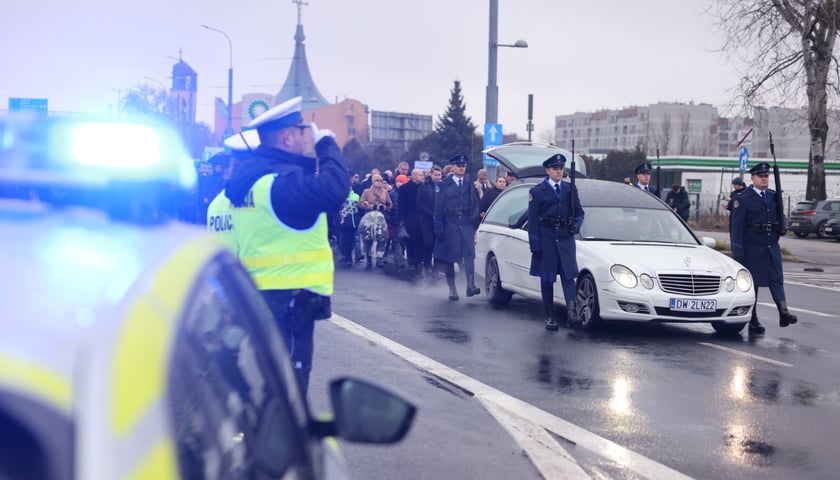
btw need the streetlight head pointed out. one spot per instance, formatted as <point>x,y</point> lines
<point>521,44</point>
<point>205,26</point>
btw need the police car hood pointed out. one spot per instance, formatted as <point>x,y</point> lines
<point>65,282</point>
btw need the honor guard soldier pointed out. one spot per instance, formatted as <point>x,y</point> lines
<point>281,198</point>
<point>754,236</point>
<point>642,173</point>
<point>456,218</point>
<point>554,218</point>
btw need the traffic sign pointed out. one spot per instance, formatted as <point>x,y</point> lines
<point>744,137</point>
<point>492,138</point>
<point>743,159</point>
<point>38,105</point>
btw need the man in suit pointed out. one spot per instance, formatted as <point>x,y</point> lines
<point>754,233</point>
<point>642,173</point>
<point>554,218</point>
<point>456,218</point>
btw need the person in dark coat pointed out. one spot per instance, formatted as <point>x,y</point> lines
<point>410,217</point>
<point>754,235</point>
<point>642,173</point>
<point>738,187</point>
<point>491,195</point>
<point>554,218</point>
<point>426,210</point>
<point>456,218</point>
<point>677,199</point>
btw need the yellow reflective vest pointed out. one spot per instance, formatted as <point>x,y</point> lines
<point>277,256</point>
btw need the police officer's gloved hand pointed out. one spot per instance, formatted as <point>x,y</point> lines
<point>319,133</point>
<point>574,229</point>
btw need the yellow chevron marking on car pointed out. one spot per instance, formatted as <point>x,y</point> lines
<point>140,365</point>
<point>36,381</point>
<point>160,464</point>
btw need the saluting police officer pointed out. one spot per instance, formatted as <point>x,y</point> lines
<point>280,206</point>
<point>754,234</point>
<point>642,173</point>
<point>554,218</point>
<point>456,218</point>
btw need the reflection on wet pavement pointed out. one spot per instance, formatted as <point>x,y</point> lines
<point>446,330</point>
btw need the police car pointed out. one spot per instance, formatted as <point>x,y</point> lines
<point>132,346</point>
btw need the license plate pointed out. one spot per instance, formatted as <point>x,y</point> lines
<point>829,230</point>
<point>693,305</point>
<point>794,224</point>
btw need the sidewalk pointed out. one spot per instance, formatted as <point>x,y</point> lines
<point>801,253</point>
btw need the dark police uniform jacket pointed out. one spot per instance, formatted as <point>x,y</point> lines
<point>651,189</point>
<point>552,245</point>
<point>754,234</point>
<point>456,218</point>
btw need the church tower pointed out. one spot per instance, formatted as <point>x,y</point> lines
<point>182,96</point>
<point>299,81</point>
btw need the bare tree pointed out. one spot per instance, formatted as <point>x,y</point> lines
<point>685,133</point>
<point>785,47</point>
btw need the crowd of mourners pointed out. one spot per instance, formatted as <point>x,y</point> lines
<point>387,217</point>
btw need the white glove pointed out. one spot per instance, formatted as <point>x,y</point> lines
<point>318,134</point>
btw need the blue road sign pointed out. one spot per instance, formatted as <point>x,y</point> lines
<point>38,105</point>
<point>492,138</point>
<point>743,159</point>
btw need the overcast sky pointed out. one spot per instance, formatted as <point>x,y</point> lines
<point>392,55</point>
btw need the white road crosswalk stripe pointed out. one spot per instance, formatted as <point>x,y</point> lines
<point>525,419</point>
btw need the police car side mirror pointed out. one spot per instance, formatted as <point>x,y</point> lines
<point>367,413</point>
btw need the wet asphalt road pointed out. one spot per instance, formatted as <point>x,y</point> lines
<point>704,405</point>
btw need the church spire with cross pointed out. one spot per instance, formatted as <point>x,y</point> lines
<point>299,81</point>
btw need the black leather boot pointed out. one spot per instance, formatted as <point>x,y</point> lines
<point>453,292</point>
<point>471,288</point>
<point>572,318</point>
<point>755,328</point>
<point>785,317</point>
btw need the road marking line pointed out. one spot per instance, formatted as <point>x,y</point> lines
<point>550,458</point>
<point>831,289</point>
<point>583,438</point>
<point>811,312</point>
<point>739,352</point>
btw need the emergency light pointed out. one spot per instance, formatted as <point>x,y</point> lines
<point>135,170</point>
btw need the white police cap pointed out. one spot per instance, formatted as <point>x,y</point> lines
<point>244,142</point>
<point>287,114</point>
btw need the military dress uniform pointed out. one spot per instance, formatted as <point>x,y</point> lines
<point>456,219</point>
<point>280,227</point>
<point>754,235</point>
<point>645,167</point>
<point>554,218</point>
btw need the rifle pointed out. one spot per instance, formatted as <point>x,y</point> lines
<point>571,220</point>
<point>658,187</point>
<point>780,207</point>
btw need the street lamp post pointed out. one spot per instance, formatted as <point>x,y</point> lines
<point>229,128</point>
<point>491,115</point>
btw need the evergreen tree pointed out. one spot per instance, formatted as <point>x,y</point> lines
<point>356,158</point>
<point>456,131</point>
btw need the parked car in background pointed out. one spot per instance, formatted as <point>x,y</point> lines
<point>832,229</point>
<point>638,260</point>
<point>810,216</point>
